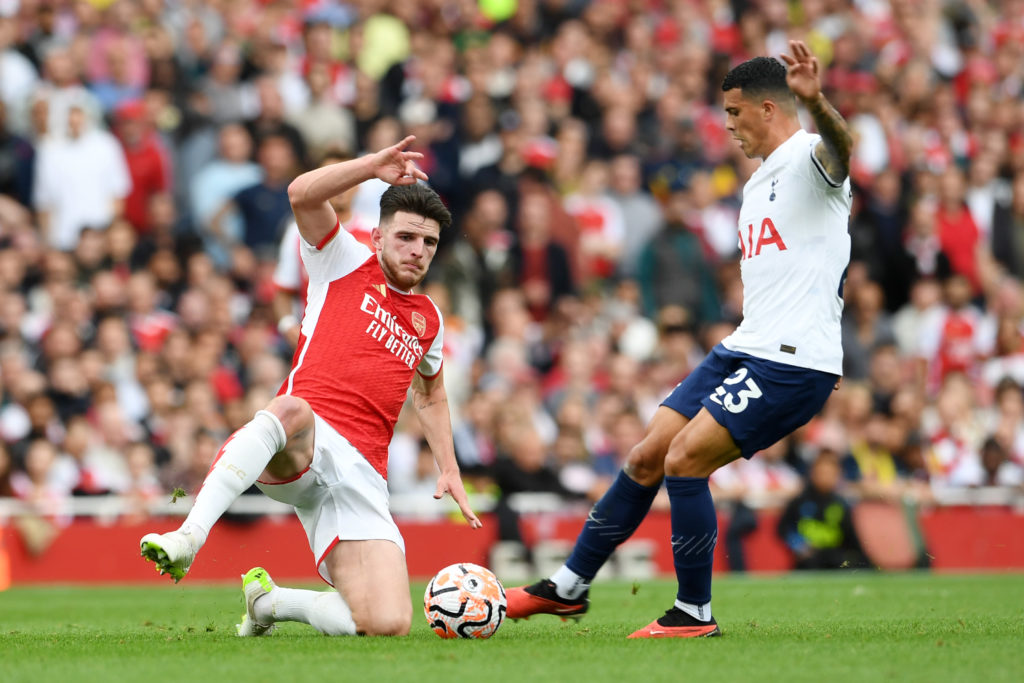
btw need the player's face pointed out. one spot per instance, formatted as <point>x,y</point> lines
<point>745,121</point>
<point>405,247</point>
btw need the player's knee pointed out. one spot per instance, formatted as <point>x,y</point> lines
<point>379,624</point>
<point>385,616</point>
<point>293,412</point>
<point>685,461</point>
<point>645,465</point>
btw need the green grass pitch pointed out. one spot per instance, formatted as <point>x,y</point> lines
<point>858,626</point>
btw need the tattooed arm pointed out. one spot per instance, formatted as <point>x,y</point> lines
<point>836,141</point>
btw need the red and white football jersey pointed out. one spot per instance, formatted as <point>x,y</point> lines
<point>360,343</point>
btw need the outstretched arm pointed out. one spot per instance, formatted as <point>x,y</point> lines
<point>836,141</point>
<point>310,193</point>
<point>430,400</point>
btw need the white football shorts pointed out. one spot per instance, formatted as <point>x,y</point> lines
<point>339,498</point>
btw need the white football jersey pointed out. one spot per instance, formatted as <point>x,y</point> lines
<point>795,246</point>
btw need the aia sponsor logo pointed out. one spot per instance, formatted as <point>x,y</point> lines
<point>767,236</point>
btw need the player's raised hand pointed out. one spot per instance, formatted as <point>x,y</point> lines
<point>802,71</point>
<point>451,483</point>
<point>396,165</point>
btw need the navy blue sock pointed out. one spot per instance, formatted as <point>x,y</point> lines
<point>611,521</point>
<point>694,534</point>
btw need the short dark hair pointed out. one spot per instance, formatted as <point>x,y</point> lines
<point>758,77</point>
<point>416,198</point>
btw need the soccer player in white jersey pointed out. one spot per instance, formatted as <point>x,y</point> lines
<point>773,374</point>
<point>321,443</point>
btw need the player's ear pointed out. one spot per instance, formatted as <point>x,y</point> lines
<point>376,235</point>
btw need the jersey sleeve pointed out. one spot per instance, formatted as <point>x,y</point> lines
<point>337,255</point>
<point>288,272</point>
<point>433,358</point>
<point>816,170</point>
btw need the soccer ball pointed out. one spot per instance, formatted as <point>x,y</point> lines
<point>464,600</point>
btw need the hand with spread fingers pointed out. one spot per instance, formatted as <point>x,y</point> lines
<point>396,165</point>
<point>802,71</point>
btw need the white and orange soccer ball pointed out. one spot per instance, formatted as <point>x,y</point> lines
<point>464,600</point>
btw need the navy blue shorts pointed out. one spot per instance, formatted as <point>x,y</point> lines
<point>759,401</point>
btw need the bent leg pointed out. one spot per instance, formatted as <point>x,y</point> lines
<point>267,603</point>
<point>326,611</point>
<point>645,463</point>
<point>371,595</point>
<point>617,515</point>
<point>611,521</point>
<point>372,578</point>
<point>296,418</point>
<point>699,449</point>
<point>277,440</point>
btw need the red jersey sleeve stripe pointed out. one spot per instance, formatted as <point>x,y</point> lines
<point>329,236</point>
<point>285,481</point>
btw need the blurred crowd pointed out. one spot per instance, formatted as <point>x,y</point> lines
<point>146,147</point>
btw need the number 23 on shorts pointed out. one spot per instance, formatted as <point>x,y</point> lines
<point>736,401</point>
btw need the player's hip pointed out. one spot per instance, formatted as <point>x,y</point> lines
<point>336,462</point>
<point>758,400</point>
<point>817,348</point>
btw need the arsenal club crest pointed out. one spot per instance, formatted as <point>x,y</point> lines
<point>419,323</point>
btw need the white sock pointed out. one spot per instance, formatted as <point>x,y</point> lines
<point>325,611</point>
<point>242,459</point>
<point>569,584</point>
<point>698,612</point>
<point>196,536</point>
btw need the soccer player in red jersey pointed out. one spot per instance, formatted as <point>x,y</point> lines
<point>321,443</point>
